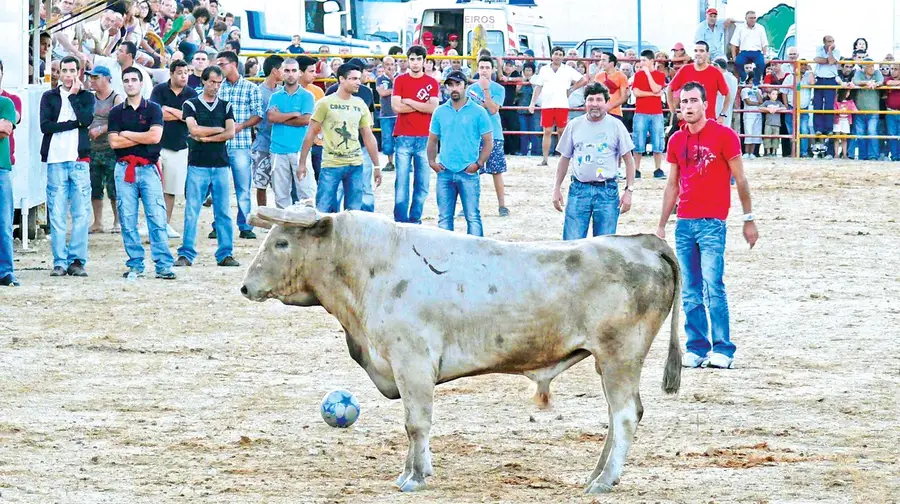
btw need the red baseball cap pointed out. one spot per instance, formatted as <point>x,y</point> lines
<point>678,47</point>
<point>453,36</point>
<point>712,11</point>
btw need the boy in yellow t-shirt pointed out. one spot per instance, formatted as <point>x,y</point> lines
<point>341,118</point>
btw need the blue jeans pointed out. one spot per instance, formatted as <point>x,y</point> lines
<point>823,99</point>
<point>467,186</point>
<point>368,198</point>
<point>700,246</point>
<point>586,200</point>
<point>804,130</point>
<point>387,135</point>
<point>411,161</point>
<point>6,224</point>
<point>755,57</point>
<point>241,163</point>
<point>316,153</point>
<point>866,124</point>
<point>349,178</point>
<point>69,190</point>
<point>893,129</point>
<point>531,144</point>
<point>652,124</point>
<point>146,189</point>
<point>198,180</point>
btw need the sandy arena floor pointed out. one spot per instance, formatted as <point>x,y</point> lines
<point>156,392</point>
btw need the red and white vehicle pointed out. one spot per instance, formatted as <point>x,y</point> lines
<point>499,25</point>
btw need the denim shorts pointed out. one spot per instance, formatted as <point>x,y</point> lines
<point>652,124</point>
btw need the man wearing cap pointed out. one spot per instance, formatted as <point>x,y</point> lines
<point>749,45</point>
<point>464,131</point>
<point>452,43</point>
<point>103,159</point>
<point>679,56</point>
<point>365,94</point>
<point>173,157</point>
<point>712,31</point>
<point>135,130</point>
<point>289,111</point>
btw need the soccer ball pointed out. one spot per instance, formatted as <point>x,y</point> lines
<point>339,408</point>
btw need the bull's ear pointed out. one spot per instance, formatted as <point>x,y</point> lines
<point>322,227</point>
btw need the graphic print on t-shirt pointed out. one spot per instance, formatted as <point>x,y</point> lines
<point>592,153</point>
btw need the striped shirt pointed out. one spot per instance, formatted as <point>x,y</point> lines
<point>246,102</point>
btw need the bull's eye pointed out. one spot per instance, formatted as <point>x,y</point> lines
<point>282,244</point>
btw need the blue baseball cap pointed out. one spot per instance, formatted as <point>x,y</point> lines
<point>100,71</point>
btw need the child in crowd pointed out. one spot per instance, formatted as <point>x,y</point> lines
<point>844,121</point>
<point>773,108</point>
<point>752,98</point>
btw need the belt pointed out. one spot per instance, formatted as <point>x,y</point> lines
<point>596,182</point>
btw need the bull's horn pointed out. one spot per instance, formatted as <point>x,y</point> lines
<point>293,216</point>
<point>257,221</point>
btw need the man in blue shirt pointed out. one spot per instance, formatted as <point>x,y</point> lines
<point>712,31</point>
<point>490,95</point>
<point>289,111</point>
<point>464,131</point>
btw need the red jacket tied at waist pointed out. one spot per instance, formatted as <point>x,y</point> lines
<point>134,161</point>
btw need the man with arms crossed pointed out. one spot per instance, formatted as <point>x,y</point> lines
<point>554,82</point>
<point>596,142</point>
<point>135,130</point>
<point>464,131</point>
<point>67,112</point>
<point>260,150</point>
<point>704,155</point>
<point>246,103</point>
<point>210,122</point>
<point>289,111</point>
<point>342,118</point>
<point>414,100</point>
<point>173,157</point>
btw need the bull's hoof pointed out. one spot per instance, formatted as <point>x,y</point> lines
<point>598,488</point>
<point>402,479</point>
<point>412,485</point>
<point>542,400</point>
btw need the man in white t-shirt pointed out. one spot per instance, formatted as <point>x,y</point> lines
<point>553,85</point>
<point>124,59</point>
<point>749,45</point>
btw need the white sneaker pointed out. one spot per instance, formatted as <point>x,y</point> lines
<point>752,156</point>
<point>721,361</point>
<point>692,360</point>
<point>172,232</point>
<point>746,156</point>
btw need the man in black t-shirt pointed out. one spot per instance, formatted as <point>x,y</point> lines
<point>210,122</point>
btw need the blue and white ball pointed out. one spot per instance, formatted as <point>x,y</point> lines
<point>340,409</point>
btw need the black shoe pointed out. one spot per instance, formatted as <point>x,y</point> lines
<point>133,273</point>
<point>9,281</point>
<point>229,261</point>
<point>248,235</point>
<point>658,173</point>
<point>637,174</point>
<point>76,269</point>
<point>183,261</point>
<point>213,235</point>
<point>388,167</point>
<point>165,275</point>
<point>58,271</point>
<point>207,202</point>
<point>504,212</point>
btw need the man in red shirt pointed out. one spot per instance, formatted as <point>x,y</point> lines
<point>704,155</point>
<point>648,114</point>
<point>414,100</point>
<point>709,76</point>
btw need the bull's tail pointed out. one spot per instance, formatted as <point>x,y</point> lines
<point>672,374</point>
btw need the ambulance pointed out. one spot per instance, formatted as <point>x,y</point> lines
<point>499,25</point>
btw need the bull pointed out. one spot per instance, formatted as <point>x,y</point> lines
<point>421,306</point>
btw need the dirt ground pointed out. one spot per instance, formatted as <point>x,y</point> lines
<point>156,392</point>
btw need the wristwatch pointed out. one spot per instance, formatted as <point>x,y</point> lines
<point>748,217</point>
<point>722,115</point>
<point>478,164</point>
<point>629,188</point>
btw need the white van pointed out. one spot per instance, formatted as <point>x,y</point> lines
<point>506,24</point>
